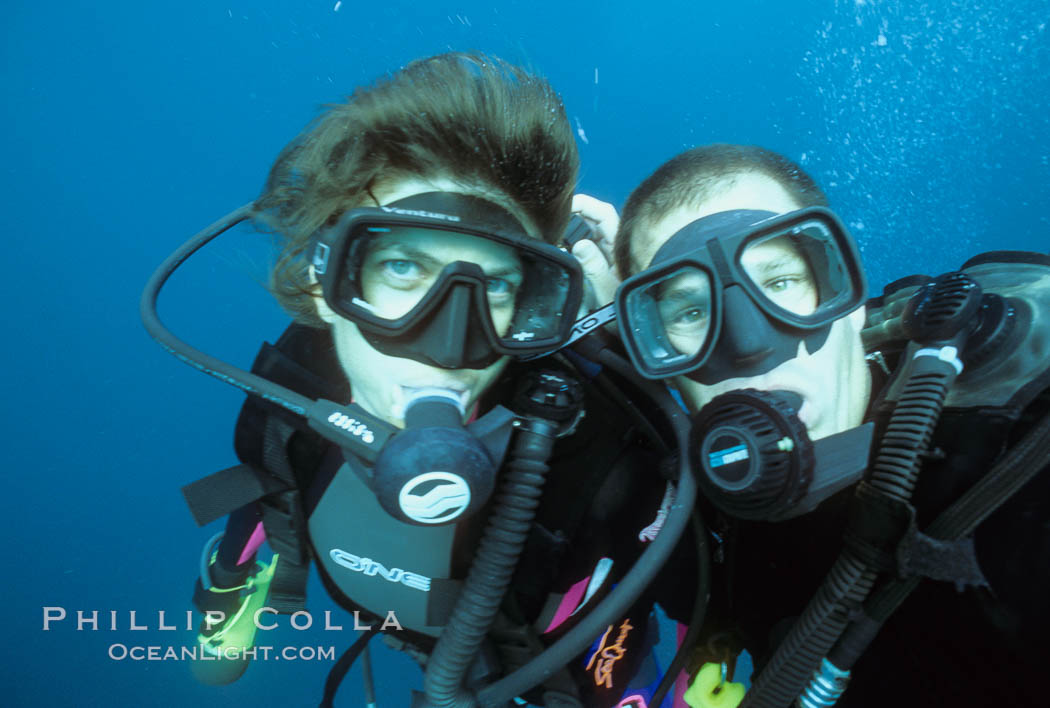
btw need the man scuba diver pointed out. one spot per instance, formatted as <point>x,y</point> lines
<point>879,469</point>
<point>397,434</point>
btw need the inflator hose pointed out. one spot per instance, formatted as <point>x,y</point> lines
<point>1021,463</point>
<point>850,579</point>
<point>490,573</point>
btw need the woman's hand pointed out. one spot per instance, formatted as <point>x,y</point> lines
<point>596,253</point>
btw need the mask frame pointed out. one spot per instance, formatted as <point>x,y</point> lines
<point>715,245</point>
<point>457,298</point>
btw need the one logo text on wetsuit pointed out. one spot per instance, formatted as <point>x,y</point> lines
<point>369,567</point>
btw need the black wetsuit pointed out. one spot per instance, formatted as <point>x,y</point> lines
<point>976,646</point>
<point>604,486</point>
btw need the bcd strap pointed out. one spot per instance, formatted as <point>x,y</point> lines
<point>268,437</point>
<point>221,493</point>
<point>517,645</point>
<point>441,600</point>
<point>285,522</point>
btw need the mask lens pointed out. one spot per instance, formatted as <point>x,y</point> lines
<point>541,302</point>
<point>671,317</point>
<point>801,270</point>
<point>391,269</point>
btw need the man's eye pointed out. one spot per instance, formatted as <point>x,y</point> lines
<point>690,316</point>
<point>780,285</point>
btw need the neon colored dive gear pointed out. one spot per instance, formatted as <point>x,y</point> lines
<point>711,690</point>
<point>224,643</point>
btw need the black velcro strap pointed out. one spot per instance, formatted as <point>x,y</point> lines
<point>216,495</point>
<point>949,561</point>
<point>877,524</point>
<point>282,517</point>
<point>288,587</point>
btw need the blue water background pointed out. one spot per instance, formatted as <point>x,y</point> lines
<point>126,127</point>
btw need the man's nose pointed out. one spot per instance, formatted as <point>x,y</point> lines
<point>747,337</point>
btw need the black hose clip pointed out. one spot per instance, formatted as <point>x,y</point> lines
<point>552,396</point>
<point>877,524</point>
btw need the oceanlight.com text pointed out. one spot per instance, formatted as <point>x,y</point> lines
<point>124,652</point>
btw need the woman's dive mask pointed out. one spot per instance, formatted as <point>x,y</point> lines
<point>449,280</point>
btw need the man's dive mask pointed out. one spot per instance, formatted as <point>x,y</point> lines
<point>732,294</point>
<point>449,280</point>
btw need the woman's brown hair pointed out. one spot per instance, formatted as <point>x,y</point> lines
<point>474,119</point>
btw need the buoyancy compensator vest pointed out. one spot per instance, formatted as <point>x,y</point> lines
<point>999,395</point>
<point>985,435</point>
<point>372,563</point>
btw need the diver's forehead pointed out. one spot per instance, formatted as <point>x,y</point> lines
<point>443,246</point>
<point>392,190</point>
<point>771,252</point>
<point>745,191</point>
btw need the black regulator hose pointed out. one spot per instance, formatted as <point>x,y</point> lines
<point>696,618</point>
<point>490,574</point>
<point>940,316</point>
<point>634,582</point>
<point>851,578</point>
<point>246,381</point>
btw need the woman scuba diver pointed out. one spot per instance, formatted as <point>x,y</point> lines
<point>399,433</point>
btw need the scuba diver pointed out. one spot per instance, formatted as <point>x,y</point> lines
<point>509,512</point>
<point>878,469</point>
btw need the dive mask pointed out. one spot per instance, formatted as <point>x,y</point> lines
<point>449,280</point>
<point>732,294</point>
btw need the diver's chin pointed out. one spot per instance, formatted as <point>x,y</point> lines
<point>809,417</point>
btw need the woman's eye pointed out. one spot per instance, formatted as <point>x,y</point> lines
<point>498,286</point>
<point>402,269</point>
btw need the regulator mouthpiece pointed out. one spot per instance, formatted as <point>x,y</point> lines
<point>756,460</point>
<point>435,471</point>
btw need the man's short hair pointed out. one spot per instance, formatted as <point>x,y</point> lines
<point>689,179</point>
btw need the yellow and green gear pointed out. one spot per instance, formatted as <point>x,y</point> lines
<point>222,658</point>
<point>710,689</point>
